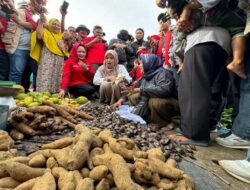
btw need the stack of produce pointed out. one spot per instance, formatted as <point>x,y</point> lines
<point>144,137</point>
<point>43,120</point>
<point>93,159</point>
<point>32,99</point>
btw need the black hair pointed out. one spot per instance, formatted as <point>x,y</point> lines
<point>82,45</point>
<point>97,27</point>
<point>178,5</point>
<point>164,17</point>
<point>123,35</point>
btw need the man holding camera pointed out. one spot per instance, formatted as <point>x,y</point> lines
<point>96,47</point>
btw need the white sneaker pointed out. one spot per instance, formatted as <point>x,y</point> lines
<point>232,141</point>
<point>240,169</point>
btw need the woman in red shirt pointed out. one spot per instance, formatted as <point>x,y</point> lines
<point>77,75</point>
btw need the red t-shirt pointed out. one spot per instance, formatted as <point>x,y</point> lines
<point>167,46</point>
<point>74,74</point>
<point>96,52</point>
<point>30,20</point>
<point>2,30</point>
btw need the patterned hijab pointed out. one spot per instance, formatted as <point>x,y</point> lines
<point>105,71</point>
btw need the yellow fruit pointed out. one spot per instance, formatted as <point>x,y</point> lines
<point>28,100</point>
<point>20,103</point>
<point>81,100</point>
<point>20,87</point>
<point>34,104</point>
<point>40,99</point>
<point>45,93</point>
<point>55,95</point>
<point>45,97</point>
<point>34,94</point>
<point>54,100</point>
<point>21,96</point>
<point>72,101</point>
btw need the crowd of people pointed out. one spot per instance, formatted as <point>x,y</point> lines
<point>188,72</point>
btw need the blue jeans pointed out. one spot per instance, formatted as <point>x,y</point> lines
<point>18,61</point>
<point>241,126</point>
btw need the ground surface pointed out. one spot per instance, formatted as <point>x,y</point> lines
<point>204,176</point>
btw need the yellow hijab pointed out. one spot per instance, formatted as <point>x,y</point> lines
<point>50,40</point>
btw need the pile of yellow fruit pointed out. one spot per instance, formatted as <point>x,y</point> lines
<point>36,98</point>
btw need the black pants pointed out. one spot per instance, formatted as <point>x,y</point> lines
<point>82,90</point>
<point>202,65</point>
<point>220,89</point>
<point>4,65</point>
<point>30,68</point>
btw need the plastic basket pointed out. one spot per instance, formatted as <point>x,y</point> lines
<point>6,83</point>
<point>8,91</point>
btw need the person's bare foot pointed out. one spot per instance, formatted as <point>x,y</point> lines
<point>168,127</point>
<point>238,68</point>
<point>180,138</point>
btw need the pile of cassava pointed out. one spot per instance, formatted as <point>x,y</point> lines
<point>92,160</point>
<point>37,125</point>
<point>43,120</point>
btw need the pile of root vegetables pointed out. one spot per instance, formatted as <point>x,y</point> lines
<point>92,160</point>
<point>37,125</point>
<point>43,120</point>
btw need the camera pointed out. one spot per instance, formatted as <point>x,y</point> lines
<point>65,6</point>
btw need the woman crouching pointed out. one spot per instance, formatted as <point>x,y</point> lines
<point>77,75</point>
<point>154,95</point>
<point>111,77</point>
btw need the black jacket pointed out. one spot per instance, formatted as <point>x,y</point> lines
<point>162,85</point>
<point>135,45</point>
<point>122,53</point>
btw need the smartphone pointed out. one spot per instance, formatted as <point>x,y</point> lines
<point>7,10</point>
<point>65,6</point>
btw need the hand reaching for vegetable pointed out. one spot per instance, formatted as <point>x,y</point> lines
<point>129,91</point>
<point>61,93</point>
<point>117,104</point>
